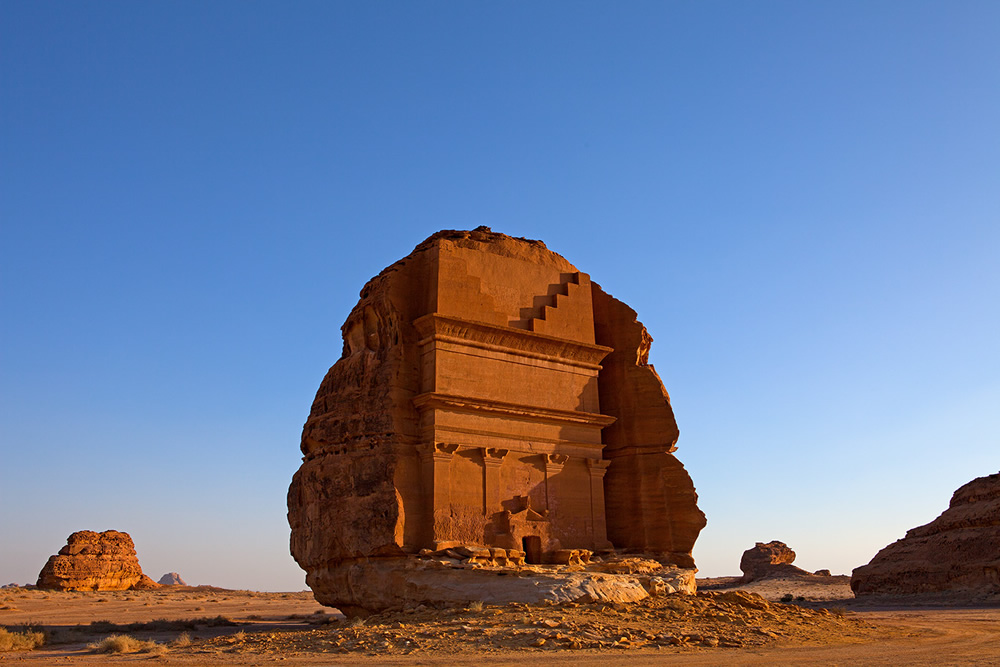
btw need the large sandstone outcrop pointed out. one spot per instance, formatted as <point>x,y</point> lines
<point>171,579</point>
<point>957,552</point>
<point>763,561</point>
<point>95,562</point>
<point>489,394</point>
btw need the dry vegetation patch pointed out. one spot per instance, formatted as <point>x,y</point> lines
<point>126,644</point>
<point>23,640</point>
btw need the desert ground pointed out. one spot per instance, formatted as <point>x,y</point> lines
<point>720,625</point>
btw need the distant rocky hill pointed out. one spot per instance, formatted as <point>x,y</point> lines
<point>171,579</point>
<point>93,561</point>
<point>957,552</point>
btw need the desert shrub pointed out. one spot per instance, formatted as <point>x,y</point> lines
<point>787,597</point>
<point>838,611</point>
<point>476,605</point>
<point>356,622</point>
<point>24,640</point>
<point>125,644</point>
<point>183,639</point>
<point>217,621</point>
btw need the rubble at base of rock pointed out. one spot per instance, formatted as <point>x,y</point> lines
<point>464,574</point>
<point>678,623</point>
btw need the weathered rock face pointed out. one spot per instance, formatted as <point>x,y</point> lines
<point>94,562</point>
<point>171,579</point>
<point>957,552</point>
<point>763,561</point>
<point>489,394</point>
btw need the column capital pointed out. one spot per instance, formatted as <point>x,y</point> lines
<point>492,456</point>
<point>597,467</point>
<point>437,451</point>
<point>554,462</point>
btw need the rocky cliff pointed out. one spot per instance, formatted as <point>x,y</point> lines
<point>957,552</point>
<point>93,561</point>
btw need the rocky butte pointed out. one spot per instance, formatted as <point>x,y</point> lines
<point>492,408</point>
<point>958,552</point>
<point>763,561</point>
<point>95,562</point>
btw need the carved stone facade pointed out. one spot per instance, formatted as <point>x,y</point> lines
<point>488,394</point>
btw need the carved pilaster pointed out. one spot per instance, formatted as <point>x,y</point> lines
<point>436,459</point>
<point>492,460</point>
<point>597,468</point>
<point>553,465</point>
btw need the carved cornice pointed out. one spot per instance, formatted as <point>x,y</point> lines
<point>508,340</point>
<point>436,401</point>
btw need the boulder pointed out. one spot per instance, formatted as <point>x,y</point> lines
<point>958,552</point>
<point>770,560</point>
<point>171,579</point>
<point>488,396</point>
<point>93,561</point>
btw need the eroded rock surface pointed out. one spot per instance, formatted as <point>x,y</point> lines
<point>171,579</point>
<point>957,552</point>
<point>489,395</point>
<point>93,561</point>
<point>773,559</point>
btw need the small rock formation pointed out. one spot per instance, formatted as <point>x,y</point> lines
<point>958,552</point>
<point>171,579</point>
<point>490,397</point>
<point>95,562</point>
<point>770,560</point>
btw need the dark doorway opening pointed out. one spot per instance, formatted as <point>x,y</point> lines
<point>532,545</point>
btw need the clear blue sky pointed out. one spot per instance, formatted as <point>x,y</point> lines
<point>800,199</point>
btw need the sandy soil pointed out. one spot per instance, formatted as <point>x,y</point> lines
<point>717,626</point>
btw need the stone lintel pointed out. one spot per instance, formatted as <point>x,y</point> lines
<point>529,445</point>
<point>453,403</point>
<point>435,327</point>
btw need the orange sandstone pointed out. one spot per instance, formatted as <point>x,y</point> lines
<point>95,562</point>
<point>489,396</point>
